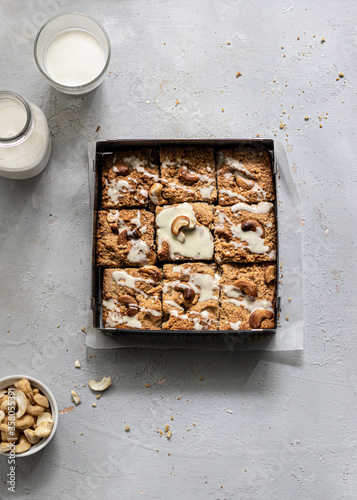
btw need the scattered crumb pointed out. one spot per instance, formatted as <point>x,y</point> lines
<point>164,43</point>
<point>282,46</point>
<point>177,102</point>
<point>320,125</point>
<point>238,74</point>
<point>127,428</point>
<point>306,117</point>
<point>77,363</point>
<point>58,326</point>
<point>282,125</point>
<point>228,43</point>
<point>166,428</point>
<point>323,40</point>
<point>287,318</point>
<point>169,434</point>
<point>341,75</point>
<point>290,299</point>
<point>298,38</point>
<point>201,378</point>
<point>83,329</point>
<point>98,396</point>
<point>172,418</point>
<point>94,405</point>
<point>222,110</point>
<point>147,385</point>
<point>97,129</point>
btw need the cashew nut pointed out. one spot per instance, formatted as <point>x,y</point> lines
<point>42,418</point>
<point>23,445</point>
<point>269,274</point>
<point>188,291</point>
<point>25,386</point>
<point>2,415</point>
<point>258,316</point>
<point>164,252</point>
<point>41,400</point>
<point>112,216</point>
<point>75,397</point>
<point>100,386</point>
<point>179,223</point>
<point>244,183</point>
<point>131,303</point>
<point>152,271</point>
<point>9,433</point>
<point>21,401</point>
<point>155,193</point>
<point>127,234</point>
<point>35,390</point>
<point>2,394</point>
<point>5,447</point>
<point>114,228</point>
<point>252,225</point>
<point>118,170</point>
<point>24,422</point>
<point>186,176</point>
<point>247,286</point>
<point>35,410</point>
<point>5,404</point>
<point>30,436</point>
<point>44,429</point>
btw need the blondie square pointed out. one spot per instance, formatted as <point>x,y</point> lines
<point>244,174</point>
<point>125,238</point>
<point>245,233</point>
<point>190,297</point>
<point>184,232</point>
<point>127,178</point>
<point>188,174</point>
<point>248,295</point>
<point>131,298</point>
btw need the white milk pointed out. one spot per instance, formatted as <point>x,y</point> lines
<point>13,118</point>
<point>28,155</point>
<point>74,58</point>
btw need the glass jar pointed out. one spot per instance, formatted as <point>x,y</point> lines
<point>25,141</point>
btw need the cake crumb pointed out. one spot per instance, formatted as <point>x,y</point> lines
<point>169,434</point>
<point>228,43</point>
<point>147,385</point>
<point>97,129</point>
<point>166,428</point>
<point>306,117</point>
<point>287,318</point>
<point>341,75</point>
<point>238,74</point>
<point>290,299</point>
<point>323,40</point>
<point>94,405</point>
<point>320,125</point>
<point>222,110</point>
<point>177,102</point>
<point>127,428</point>
<point>98,396</point>
<point>282,125</point>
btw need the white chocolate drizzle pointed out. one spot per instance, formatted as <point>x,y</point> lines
<point>124,279</point>
<point>198,243</point>
<point>231,194</point>
<point>261,208</point>
<point>206,191</point>
<point>138,252</point>
<point>235,326</point>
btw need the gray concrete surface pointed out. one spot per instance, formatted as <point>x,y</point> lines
<point>275,426</point>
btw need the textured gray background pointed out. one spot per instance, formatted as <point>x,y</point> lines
<point>276,426</point>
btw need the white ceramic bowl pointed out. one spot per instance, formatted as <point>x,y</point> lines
<point>7,382</point>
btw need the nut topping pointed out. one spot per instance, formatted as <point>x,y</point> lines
<point>152,271</point>
<point>188,291</point>
<point>128,234</point>
<point>252,225</point>
<point>179,223</point>
<point>269,274</point>
<point>130,302</point>
<point>258,316</point>
<point>186,176</point>
<point>247,286</point>
<point>244,183</point>
<point>155,193</point>
<point>164,251</point>
<point>114,228</point>
<point>118,170</point>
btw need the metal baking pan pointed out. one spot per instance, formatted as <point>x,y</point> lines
<point>111,146</point>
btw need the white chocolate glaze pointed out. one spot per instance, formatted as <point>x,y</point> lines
<point>124,279</point>
<point>235,326</point>
<point>236,165</point>
<point>116,189</point>
<point>231,194</point>
<point>172,303</point>
<point>198,243</point>
<point>138,252</point>
<point>115,318</point>
<point>206,191</point>
<point>261,208</point>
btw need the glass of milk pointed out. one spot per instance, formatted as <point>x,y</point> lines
<point>72,51</point>
<point>25,141</point>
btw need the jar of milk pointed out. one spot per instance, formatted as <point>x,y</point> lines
<point>25,142</point>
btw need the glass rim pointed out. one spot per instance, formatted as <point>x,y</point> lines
<point>8,94</point>
<point>70,87</point>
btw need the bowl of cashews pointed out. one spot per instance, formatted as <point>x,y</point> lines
<point>28,416</point>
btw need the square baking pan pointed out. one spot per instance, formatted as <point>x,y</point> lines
<point>104,148</point>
